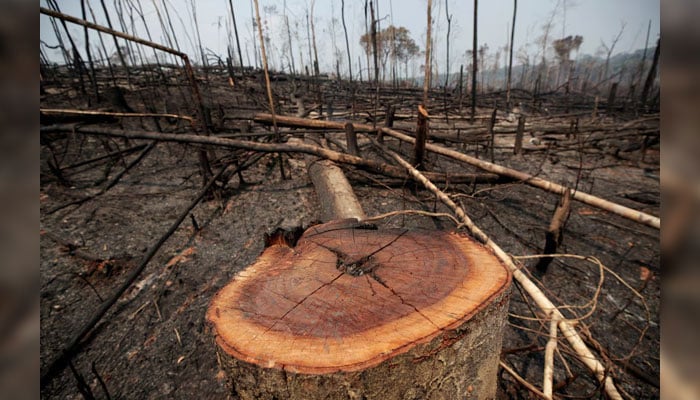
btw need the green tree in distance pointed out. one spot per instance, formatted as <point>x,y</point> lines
<point>392,42</point>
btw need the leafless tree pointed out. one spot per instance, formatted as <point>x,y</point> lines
<point>347,42</point>
<point>652,73</point>
<point>447,46</point>
<point>510,54</point>
<point>426,80</point>
<point>235,32</point>
<point>289,36</point>
<point>609,50</point>
<point>474,63</point>
<point>313,38</point>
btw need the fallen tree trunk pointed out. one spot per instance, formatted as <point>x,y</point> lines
<point>334,192</point>
<point>385,169</point>
<point>296,122</point>
<point>528,179</point>
<point>626,212</point>
<point>381,168</point>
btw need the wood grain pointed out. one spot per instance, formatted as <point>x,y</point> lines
<point>346,298</point>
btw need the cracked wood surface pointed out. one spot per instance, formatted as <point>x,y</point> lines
<point>347,297</point>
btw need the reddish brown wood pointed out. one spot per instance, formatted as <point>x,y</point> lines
<point>348,298</point>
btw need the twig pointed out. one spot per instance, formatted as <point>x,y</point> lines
<point>65,355</point>
<point>61,111</point>
<point>412,212</point>
<point>521,380</point>
<point>111,183</point>
<point>109,155</point>
<point>594,300</point>
<point>83,387</point>
<point>102,383</point>
<point>549,359</point>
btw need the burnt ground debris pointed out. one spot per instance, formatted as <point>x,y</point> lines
<point>154,341</point>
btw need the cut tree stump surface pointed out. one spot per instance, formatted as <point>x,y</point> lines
<point>349,297</point>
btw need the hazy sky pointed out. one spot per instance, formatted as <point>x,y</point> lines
<point>598,21</point>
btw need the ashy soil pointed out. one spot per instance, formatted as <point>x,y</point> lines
<point>154,342</point>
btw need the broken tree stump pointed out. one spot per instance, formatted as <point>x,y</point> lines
<point>351,139</point>
<point>421,137</point>
<point>353,312</point>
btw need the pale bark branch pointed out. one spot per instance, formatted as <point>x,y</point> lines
<point>582,351</point>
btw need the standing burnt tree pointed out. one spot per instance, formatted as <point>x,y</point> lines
<point>510,54</point>
<point>474,64</point>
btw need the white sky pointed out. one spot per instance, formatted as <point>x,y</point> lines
<point>596,20</point>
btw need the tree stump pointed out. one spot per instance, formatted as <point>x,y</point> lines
<point>353,312</point>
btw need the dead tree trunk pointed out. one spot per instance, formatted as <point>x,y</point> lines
<point>289,40</point>
<point>517,149</point>
<point>269,86</point>
<point>335,195</point>
<point>510,55</point>
<point>474,64</point>
<point>426,80</point>
<point>347,43</point>
<point>421,138</point>
<point>235,32</point>
<point>492,132</point>
<point>313,38</point>
<point>376,63</point>
<point>651,75</point>
<point>611,97</point>
<point>554,234</point>
<point>351,139</point>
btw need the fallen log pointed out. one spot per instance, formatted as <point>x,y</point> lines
<point>371,165</point>
<point>626,212</point>
<point>528,179</point>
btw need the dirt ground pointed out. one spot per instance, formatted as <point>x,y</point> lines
<point>154,342</point>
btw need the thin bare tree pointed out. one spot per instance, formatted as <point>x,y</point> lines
<point>313,38</point>
<point>268,85</point>
<point>544,39</point>
<point>652,73</point>
<point>289,36</point>
<point>510,54</point>
<point>308,40</point>
<point>447,46</point>
<point>474,63</point>
<point>609,50</point>
<point>347,42</point>
<point>426,80</point>
<point>235,32</point>
<point>640,70</point>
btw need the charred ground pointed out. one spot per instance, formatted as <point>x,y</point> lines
<point>154,341</point>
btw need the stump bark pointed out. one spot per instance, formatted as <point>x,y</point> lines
<point>352,312</point>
